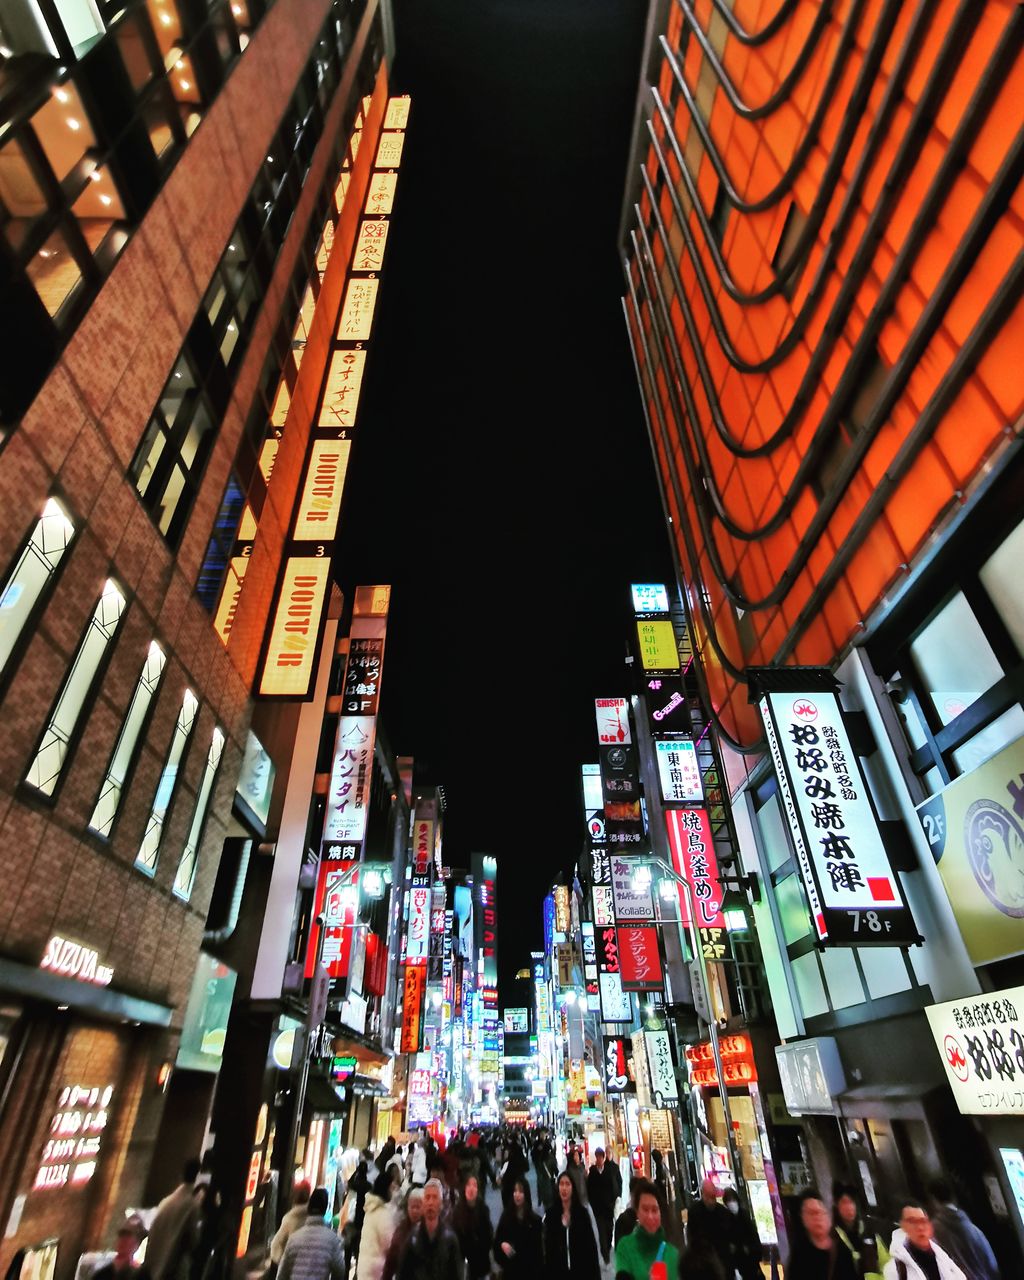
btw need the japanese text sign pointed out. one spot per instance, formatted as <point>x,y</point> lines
<point>854,895</point>
<point>612,721</point>
<point>417,939</point>
<point>649,597</point>
<point>981,1041</point>
<point>656,640</point>
<point>631,903</point>
<point>337,900</point>
<point>661,1069</point>
<point>639,958</point>
<point>617,1076</point>
<point>678,772</point>
<point>414,980</point>
<point>349,792</point>
<point>615,1003</point>
<point>667,708</point>
<point>693,857</point>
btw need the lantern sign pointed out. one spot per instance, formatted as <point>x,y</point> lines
<point>738,1066</point>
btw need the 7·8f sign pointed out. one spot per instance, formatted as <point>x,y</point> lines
<point>854,894</point>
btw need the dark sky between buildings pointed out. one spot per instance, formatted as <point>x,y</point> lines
<point>502,481</point>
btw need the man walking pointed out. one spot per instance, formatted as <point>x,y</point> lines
<point>711,1225</point>
<point>962,1239</point>
<point>174,1232</point>
<point>914,1255</point>
<point>314,1251</point>
<point>433,1251</point>
<point>604,1185</point>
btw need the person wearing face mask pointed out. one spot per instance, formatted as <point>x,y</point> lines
<point>746,1243</point>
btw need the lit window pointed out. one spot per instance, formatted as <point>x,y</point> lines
<point>186,875</point>
<point>149,850</point>
<point>221,545</point>
<point>32,574</point>
<point>124,752</point>
<point>52,752</point>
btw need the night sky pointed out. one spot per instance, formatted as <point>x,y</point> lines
<point>503,482</point>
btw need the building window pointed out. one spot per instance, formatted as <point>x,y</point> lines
<point>127,741</point>
<point>720,211</point>
<point>32,575</point>
<point>149,850</point>
<point>221,544</point>
<point>52,752</point>
<point>186,874</point>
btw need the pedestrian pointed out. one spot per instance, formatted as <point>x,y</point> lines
<point>710,1223</point>
<point>379,1223</point>
<point>122,1265</point>
<point>914,1252</point>
<point>746,1257</point>
<point>385,1154</point>
<point>699,1263</point>
<point>471,1222</point>
<point>645,1245</point>
<point>432,1251</point>
<point>406,1222</point>
<point>817,1253</point>
<point>544,1167</point>
<point>174,1231</point>
<point>314,1251</point>
<point>658,1176</point>
<point>577,1171</point>
<point>518,1248</point>
<point>570,1236</point>
<point>626,1220</point>
<point>962,1239</point>
<point>516,1167</point>
<point>292,1220</point>
<point>604,1186</point>
<point>418,1169</point>
<point>857,1233</point>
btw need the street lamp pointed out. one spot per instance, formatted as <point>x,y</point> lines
<point>643,876</point>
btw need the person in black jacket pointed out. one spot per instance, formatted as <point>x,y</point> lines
<point>570,1237</point>
<point>747,1250</point>
<point>432,1251</point>
<point>518,1251</point>
<point>604,1185</point>
<point>710,1224</point>
<point>471,1222</point>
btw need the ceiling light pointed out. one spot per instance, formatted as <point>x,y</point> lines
<point>185,84</point>
<point>236,9</point>
<point>95,176</point>
<point>177,374</point>
<point>74,124</point>
<point>165,18</point>
<point>61,95</point>
<point>105,200</point>
<point>270,159</point>
<point>231,248</point>
<point>180,65</point>
<point>45,253</point>
<point>5,52</point>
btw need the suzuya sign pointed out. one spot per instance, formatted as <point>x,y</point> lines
<point>73,960</point>
<point>854,894</point>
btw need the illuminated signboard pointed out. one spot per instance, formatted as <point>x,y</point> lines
<point>389,151</point>
<point>561,909</point>
<point>337,900</point>
<point>485,918</point>
<point>639,958</point>
<point>291,644</point>
<point>678,772</point>
<point>228,606</point>
<point>593,802</point>
<point>349,790</point>
<point>649,597</point>
<point>418,931</point>
<point>656,639</point>
<point>854,894</point>
<point>397,114</point>
<point>422,846</point>
<point>380,197</point>
<point>414,981</point>
<point>369,251</point>
<point>73,960</point>
<point>693,857</point>
<point>76,1132</point>
<point>356,319</point>
<point>320,500</point>
<point>516,1020</point>
<point>341,389</point>
<point>612,721</point>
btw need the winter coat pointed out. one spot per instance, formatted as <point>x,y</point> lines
<point>900,1254</point>
<point>965,1243</point>
<point>603,1187</point>
<point>173,1234</point>
<point>313,1253</point>
<point>378,1227</point>
<point>524,1235</point>
<point>419,1165</point>
<point>715,1227</point>
<point>437,1257</point>
<point>867,1247</point>
<point>472,1224</point>
<point>570,1253</point>
<point>807,1262</point>
<point>636,1253</point>
<point>579,1179</point>
<point>297,1216</point>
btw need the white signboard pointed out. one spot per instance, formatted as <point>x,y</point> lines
<point>661,1071</point>
<point>649,597</point>
<point>679,772</point>
<point>516,1021</point>
<point>631,904</point>
<point>345,822</point>
<point>854,894</point>
<point>981,1041</point>
<point>615,1003</point>
<point>612,721</point>
<point>418,937</point>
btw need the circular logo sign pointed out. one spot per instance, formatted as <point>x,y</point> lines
<point>956,1058</point>
<point>994,842</point>
<point>805,710</point>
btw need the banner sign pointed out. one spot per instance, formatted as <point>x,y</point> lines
<point>349,791</point>
<point>516,1021</point>
<point>362,675</point>
<point>656,644</point>
<point>975,828</point>
<point>612,721</point>
<point>661,1070</point>
<point>854,894</point>
<point>639,958</point>
<point>617,1076</point>
<point>292,639</point>
<point>615,1003</point>
<point>981,1040</point>
<point>337,900</point>
<point>624,824</point>
<point>593,802</point>
<point>414,981</point>
<point>631,904</point>
<point>417,938</point>
<point>667,708</point>
<point>422,846</point>
<point>693,857</point>
<point>620,774</point>
<point>678,772</point>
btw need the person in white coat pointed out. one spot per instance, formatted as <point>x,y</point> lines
<point>419,1162</point>
<point>913,1253</point>
<point>379,1223</point>
<point>297,1216</point>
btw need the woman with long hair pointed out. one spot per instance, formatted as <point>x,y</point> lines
<point>471,1222</point>
<point>379,1223</point>
<point>570,1236</point>
<point>518,1251</point>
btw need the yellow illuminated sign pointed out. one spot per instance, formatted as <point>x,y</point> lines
<point>341,394</point>
<point>282,402</point>
<point>230,592</point>
<point>380,198</point>
<point>268,456</point>
<point>371,602</point>
<point>326,245</point>
<point>320,500</point>
<point>389,153</point>
<point>373,236</point>
<point>357,311</point>
<point>291,647</point>
<point>247,525</point>
<point>341,190</point>
<point>397,115</point>
<point>658,650</point>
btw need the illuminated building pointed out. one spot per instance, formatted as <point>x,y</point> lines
<point>193,207</point>
<point>821,239</point>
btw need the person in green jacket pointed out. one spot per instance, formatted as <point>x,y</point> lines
<point>646,1245</point>
<point>858,1233</point>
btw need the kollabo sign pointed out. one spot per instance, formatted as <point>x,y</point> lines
<point>73,960</point>
<point>981,1041</point>
<point>855,897</point>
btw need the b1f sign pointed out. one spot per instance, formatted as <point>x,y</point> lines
<point>855,897</point>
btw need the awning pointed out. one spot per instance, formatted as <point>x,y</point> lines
<point>324,1097</point>
<point>898,1101</point>
<point>348,1045</point>
<point>101,1002</point>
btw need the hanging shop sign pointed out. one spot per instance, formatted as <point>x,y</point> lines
<point>639,958</point>
<point>612,721</point>
<point>422,846</point>
<point>389,151</point>
<point>485,920</point>
<point>417,936</point>
<point>678,771</point>
<point>615,1003</point>
<point>620,774</point>
<point>593,802</point>
<point>981,1042</point>
<point>204,1029</point>
<point>516,1021</point>
<point>656,644</point>
<point>624,824</point>
<point>380,195</point>
<point>370,244</point>
<point>649,597</point>
<point>356,319</point>
<point>74,960</point>
<point>319,505</point>
<point>342,386</point>
<point>421,1097</point>
<point>667,708</point>
<point>738,1066</point>
<point>337,900</point>
<point>661,1068</point>
<point>693,857</point>
<point>348,796</point>
<point>855,896</point>
<point>362,675</point>
<point>632,904</point>
<point>975,828</point>
<point>562,921</point>
<point>292,637</point>
<point>617,1076</point>
<point>414,981</point>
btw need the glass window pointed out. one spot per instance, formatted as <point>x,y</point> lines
<point>63,130</point>
<point>163,14</point>
<point>186,873</point>
<point>809,988</point>
<point>954,660</point>
<point>21,197</point>
<point>32,574</point>
<point>219,548</point>
<point>54,272</point>
<point>149,850</point>
<point>52,752</point>
<point>885,971</point>
<point>81,20</point>
<point>128,739</point>
<point>793,912</point>
<point>842,977</point>
<point>1000,576</point>
<point>773,833</point>
<point>987,742</point>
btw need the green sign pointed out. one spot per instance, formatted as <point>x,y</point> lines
<point>206,1017</point>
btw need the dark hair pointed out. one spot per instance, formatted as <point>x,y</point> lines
<point>191,1170</point>
<point>642,1187</point>
<point>730,1193</point>
<point>527,1197</point>
<point>318,1203</point>
<point>697,1262</point>
<point>382,1185</point>
<point>575,1203</point>
<point>941,1191</point>
<point>911,1202</point>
